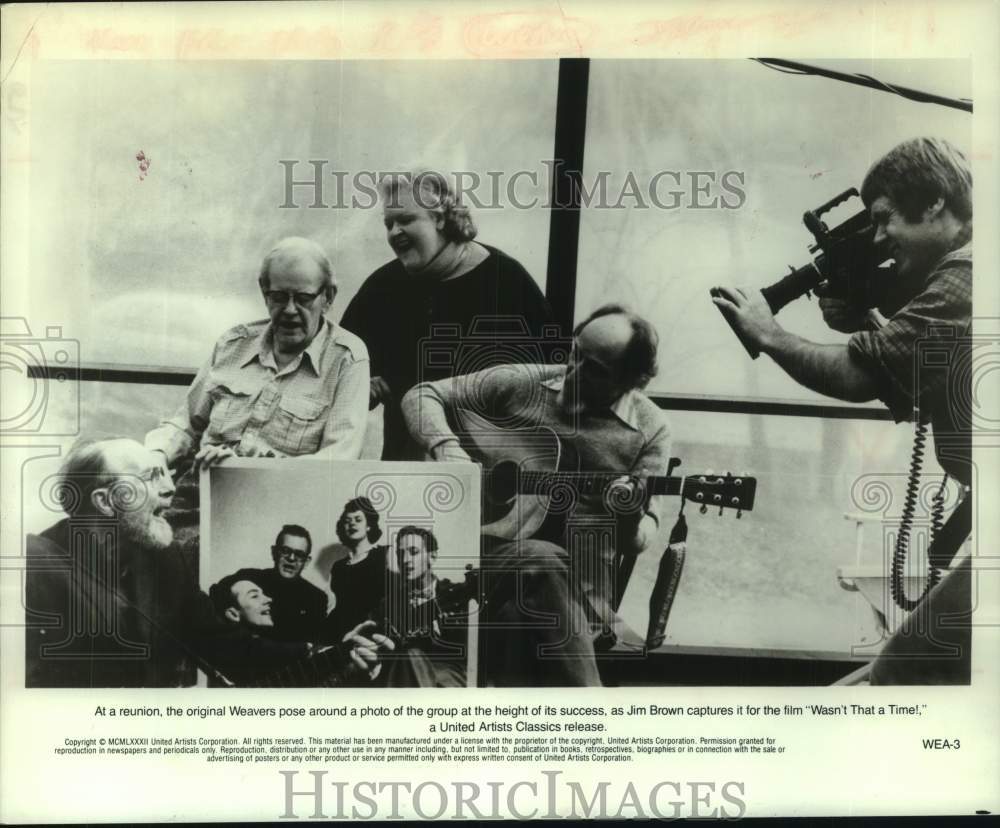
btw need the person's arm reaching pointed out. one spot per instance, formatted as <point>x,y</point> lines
<point>181,434</point>
<point>827,369</point>
<point>426,407</point>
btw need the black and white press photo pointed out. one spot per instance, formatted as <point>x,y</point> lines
<point>497,399</point>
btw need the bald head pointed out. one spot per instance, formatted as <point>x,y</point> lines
<point>125,456</point>
<point>634,339</point>
<point>607,338</point>
<point>614,352</point>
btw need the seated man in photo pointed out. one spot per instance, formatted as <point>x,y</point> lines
<point>291,385</point>
<point>298,608</point>
<point>110,601</point>
<point>428,616</point>
<point>107,599</point>
<point>241,601</point>
<point>545,588</point>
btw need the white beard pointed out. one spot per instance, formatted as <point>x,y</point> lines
<point>146,531</point>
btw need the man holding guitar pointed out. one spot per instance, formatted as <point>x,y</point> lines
<point>426,617</point>
<point>548,562</point>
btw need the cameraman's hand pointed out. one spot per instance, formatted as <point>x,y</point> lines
<point>749,313</point>
<point>839,314</point>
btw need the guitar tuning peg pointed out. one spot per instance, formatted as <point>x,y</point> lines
<point>739,513</point>
<point>720,510</point>
<point>703,510</point>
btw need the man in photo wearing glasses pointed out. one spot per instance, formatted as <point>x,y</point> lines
<point>107,600</point>
<point>298,609</point>
<point>290,385</point>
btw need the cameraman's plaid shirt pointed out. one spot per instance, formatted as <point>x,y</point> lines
<point>921,356</point>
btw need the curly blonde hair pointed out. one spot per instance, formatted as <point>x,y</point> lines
<point>432,191</point>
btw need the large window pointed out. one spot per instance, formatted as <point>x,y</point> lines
<point>744,579</point>
<point>790,144</point>
<point>148,266</point>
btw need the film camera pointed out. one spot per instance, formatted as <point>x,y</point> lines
<point>846,262</point>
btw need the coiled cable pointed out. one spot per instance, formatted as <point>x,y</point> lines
<point>898,568</point>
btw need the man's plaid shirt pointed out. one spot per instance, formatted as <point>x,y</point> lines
<point>317,404</point>
<point>922,357</point>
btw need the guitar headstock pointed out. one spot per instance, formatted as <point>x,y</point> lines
<point>722,491</point>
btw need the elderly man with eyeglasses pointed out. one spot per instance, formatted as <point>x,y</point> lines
<point>111,601</point>
<point>298,608</point>
<point>291,385</point>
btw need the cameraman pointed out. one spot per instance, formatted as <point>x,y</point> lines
<point>920,198</point>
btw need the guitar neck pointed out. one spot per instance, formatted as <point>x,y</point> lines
<point>540,482</point>
<point>709,489</point>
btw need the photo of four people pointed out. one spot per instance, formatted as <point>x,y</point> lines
<point>243,540</point>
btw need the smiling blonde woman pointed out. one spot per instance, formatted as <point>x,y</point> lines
<point>445,305</point>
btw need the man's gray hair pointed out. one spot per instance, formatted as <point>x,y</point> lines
<point>296,247</point>
<point>84,470</point>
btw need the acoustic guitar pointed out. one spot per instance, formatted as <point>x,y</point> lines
<point>532,478</point>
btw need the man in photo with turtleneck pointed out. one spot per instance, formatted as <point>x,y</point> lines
<point>429,614</point>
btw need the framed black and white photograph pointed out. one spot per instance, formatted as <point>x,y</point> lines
<point>304,555</point>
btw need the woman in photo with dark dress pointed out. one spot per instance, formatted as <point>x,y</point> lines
<point>358,581</point>
<point>472,304</point>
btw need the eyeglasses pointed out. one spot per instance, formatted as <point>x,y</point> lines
<point>301,298</point>
<point>154,474</point>
<point>288,552</point>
